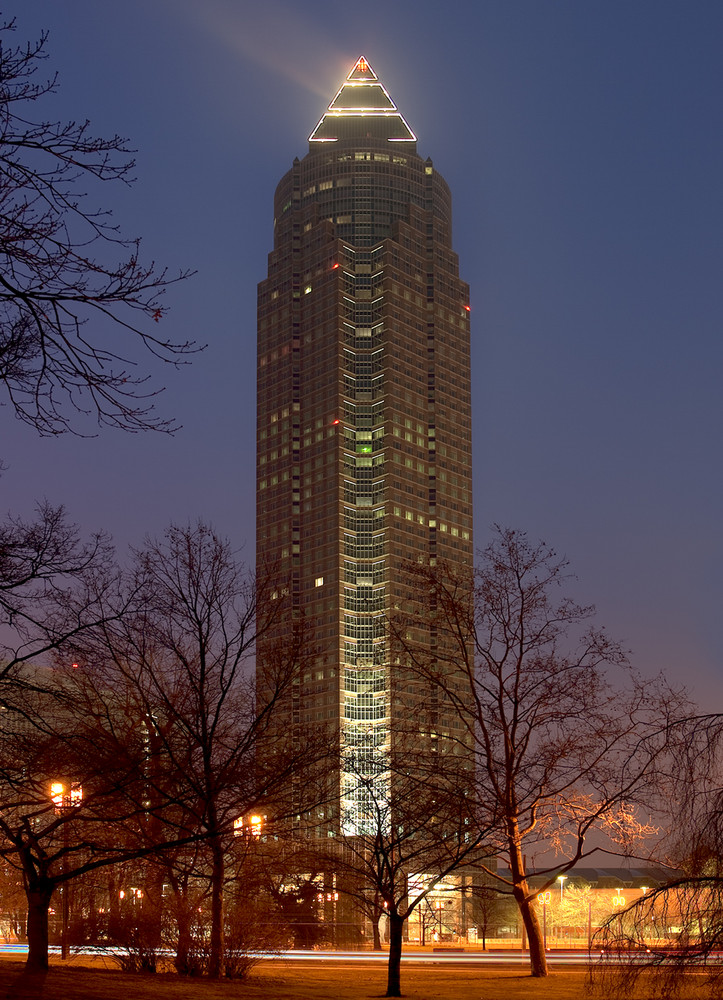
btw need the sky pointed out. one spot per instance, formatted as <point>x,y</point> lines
<point>582,142</point>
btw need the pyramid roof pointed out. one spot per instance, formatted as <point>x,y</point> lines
<point>362,107</point>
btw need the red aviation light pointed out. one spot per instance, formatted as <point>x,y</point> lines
<point>468,308</point>
<point>334,266</point>
<point>334,422</point>
<point>362,65</point>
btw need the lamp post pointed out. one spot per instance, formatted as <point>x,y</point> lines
<point>561,879</point>
<point>59,795</point>
<point>543,898</point>
<point>64,799</point>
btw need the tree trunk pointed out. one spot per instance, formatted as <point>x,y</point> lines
<point>377,946</point>
<point>152,917</point>
<point>538,959</point>
<point>183,940</point>
<point>530,923</point>
<point>38,895</point>
<point>394,974</point>
<point>216,964</point>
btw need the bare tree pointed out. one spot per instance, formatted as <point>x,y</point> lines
<point>485,899</point>
<point>416,829</point>
<point>186,657</point>
<point>559,751</point>
<point>69,782</point>
<point>72,287</point>
<point>676,927</point>
<point>45,567</point>
<point>51,589</point>
<point>153,710</point>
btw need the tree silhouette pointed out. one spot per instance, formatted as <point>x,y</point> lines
<point>76,299</point>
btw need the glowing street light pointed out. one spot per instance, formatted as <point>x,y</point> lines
<point>65,796</point>
<point>561,879</point>
<point>248,826</point>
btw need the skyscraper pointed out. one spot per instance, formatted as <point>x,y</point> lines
<point>364,442</point>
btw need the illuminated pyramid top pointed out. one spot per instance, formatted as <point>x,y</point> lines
<point>362,108</point>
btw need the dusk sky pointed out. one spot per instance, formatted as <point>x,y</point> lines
<point>582,142</point>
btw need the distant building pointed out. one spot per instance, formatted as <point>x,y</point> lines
<point>364,437</point>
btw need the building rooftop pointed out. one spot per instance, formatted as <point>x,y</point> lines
<point>362,108</point>
<point>600,878</point>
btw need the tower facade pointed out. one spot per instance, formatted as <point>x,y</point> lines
<point>363,436</point>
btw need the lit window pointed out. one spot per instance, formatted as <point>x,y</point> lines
<point>319,581</point>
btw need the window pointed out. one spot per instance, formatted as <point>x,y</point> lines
<point>319,581</point>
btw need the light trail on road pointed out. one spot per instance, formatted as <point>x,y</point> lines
<point>411,957</point>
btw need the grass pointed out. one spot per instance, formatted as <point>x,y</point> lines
<point>289,980</point>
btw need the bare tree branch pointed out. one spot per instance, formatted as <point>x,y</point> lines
<point>560,750</point>
<point>71,285</point>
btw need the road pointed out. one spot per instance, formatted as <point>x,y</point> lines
<point>443,956</point>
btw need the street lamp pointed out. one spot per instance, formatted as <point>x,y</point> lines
<point>65,798</point>
<point>561,880</point>
<point>543,898</point>
<point>248,826</point>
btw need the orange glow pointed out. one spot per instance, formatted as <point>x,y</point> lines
<point>248,826</point>
<point>362,65</point>
<point>63,797</point>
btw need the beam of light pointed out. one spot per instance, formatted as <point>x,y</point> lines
<point>278,37</point>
